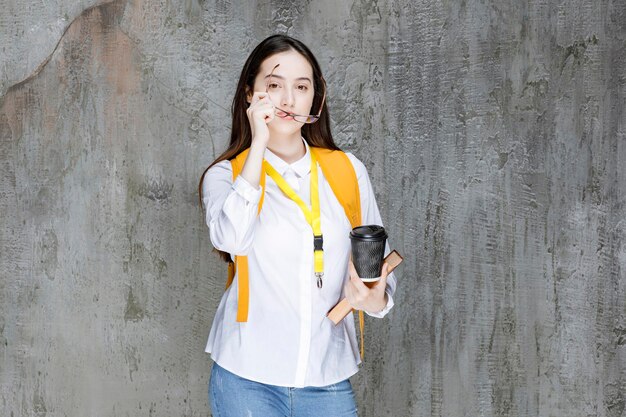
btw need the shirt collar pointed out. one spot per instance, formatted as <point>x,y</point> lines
<point>301,167</point>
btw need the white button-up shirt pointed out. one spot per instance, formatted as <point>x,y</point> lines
<point>287,340</point>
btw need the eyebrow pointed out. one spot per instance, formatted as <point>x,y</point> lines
<point>282,78</point>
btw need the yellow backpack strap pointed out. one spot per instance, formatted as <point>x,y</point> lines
<point>243,295</point>
<point>341,176</point>
<point>241,261</point>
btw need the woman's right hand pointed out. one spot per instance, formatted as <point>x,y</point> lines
<point>260,113</point>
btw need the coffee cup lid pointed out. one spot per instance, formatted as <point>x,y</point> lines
<point>369,232</point>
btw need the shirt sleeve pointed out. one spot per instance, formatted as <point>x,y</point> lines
<point>371,215</point>
<point>231,209</point>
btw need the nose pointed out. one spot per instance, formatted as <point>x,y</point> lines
<point>287,99</point>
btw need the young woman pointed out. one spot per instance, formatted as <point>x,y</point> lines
<point>280,355</point>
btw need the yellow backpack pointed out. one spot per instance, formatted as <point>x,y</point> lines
<point>341,177</point>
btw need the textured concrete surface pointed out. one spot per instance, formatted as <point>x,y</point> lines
<point>494,133</point>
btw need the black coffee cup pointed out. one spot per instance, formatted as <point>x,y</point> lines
<point>368,251</point>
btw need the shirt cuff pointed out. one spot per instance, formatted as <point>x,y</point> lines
<point>385,310</point>
<point>246,190</point>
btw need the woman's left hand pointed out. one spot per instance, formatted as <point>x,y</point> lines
<point>361,297</point>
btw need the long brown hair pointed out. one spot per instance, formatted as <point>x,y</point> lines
<point>316,134</point>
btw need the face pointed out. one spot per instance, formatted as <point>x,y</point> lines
<point>290,88</point>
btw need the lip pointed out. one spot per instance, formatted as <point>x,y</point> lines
<point>286,117</point>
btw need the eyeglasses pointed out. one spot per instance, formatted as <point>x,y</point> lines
<point>297,117</point>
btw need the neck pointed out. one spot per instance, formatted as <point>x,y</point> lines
<point>289,148</point>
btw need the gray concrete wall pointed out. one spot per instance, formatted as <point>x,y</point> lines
<point>494,133</point>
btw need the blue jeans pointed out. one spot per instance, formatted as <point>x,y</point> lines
<point>233,396</point>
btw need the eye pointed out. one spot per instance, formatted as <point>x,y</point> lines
<point>272,85</point>
<point>303,87</point>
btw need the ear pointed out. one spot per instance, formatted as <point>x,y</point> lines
<point>249,95</point>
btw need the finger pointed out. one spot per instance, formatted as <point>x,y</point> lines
<point>385,270</point>
<point>260,102</point>
<point>347,290</point>
<point>382,282</point>
<point>268,112</point>
<point>352,269</point>
<point>359,286</point>
<point>260,96</point>
<point>352,295</point>
<point>261,111</point>
<point>263,108</point>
